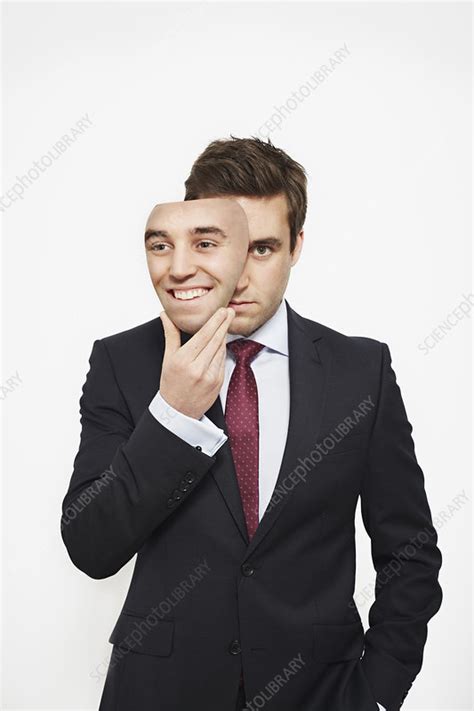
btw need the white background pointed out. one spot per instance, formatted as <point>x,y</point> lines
<point>386,143</point>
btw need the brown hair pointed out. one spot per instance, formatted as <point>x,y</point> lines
<point>250,167</point>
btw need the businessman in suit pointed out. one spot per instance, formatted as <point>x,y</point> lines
<point>236,486</point>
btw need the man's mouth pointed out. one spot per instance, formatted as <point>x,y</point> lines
<point>189,294</point>
<point>239,305</point>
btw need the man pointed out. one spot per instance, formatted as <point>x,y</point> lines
<point>242,511</point>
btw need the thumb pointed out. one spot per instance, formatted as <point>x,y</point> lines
<point>172,335</point>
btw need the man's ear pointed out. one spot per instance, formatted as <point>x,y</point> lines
<point>295,255</point>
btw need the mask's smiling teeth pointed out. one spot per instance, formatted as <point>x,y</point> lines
<point>189,294</point>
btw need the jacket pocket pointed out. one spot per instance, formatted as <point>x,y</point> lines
<point>338,643</point>
<point>135,634</point>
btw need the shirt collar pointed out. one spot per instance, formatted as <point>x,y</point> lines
<point>273,333</point>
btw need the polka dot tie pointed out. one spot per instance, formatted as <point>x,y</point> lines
<point>241,416</point>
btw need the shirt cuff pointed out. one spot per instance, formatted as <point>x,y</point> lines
<point>202,434</point>
<point>381,708</point>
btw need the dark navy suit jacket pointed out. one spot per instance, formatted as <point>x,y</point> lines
<point>204,603</point>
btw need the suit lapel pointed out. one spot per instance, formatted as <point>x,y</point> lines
<point>224,472</point>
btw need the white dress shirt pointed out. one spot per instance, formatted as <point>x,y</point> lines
<point>270,366</point>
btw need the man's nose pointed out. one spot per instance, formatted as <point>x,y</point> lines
<point>243,282</point>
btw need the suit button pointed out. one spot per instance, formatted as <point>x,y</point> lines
<point>177,495</point>
<point>189,477</point>
<point>234,647</point>
<point>184,486</point>
<point>247,569</point>
<point>170,503</point>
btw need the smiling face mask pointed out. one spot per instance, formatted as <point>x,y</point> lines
<point>196,251</point>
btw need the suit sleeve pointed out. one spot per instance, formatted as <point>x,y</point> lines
<point>406,558</point>
<point>126,479</point>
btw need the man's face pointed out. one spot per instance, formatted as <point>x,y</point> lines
<point>197,244</point>
<point>263,281</point>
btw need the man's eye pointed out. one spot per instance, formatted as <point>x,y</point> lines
<point>205,242</point>
<point>263,246</point>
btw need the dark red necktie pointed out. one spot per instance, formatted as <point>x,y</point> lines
<point>241,415</point>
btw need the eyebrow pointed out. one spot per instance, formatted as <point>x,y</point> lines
<point>273,241</point>
<point>200,230</point>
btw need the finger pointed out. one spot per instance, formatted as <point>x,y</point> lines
<point>172,335</point>
<point>201,338</point>
<point>217,365</point>
<point>209,351</point>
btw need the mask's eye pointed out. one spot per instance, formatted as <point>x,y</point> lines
<point>156,247</point>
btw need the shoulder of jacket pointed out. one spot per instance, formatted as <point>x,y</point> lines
<point>142,335</point>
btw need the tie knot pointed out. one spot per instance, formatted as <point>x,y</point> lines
<point>244,350</point>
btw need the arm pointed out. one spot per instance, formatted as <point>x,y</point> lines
<point>406,558</point>
<point>126,481</point>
